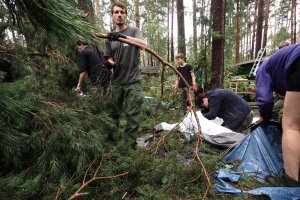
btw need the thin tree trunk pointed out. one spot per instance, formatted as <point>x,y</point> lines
<point>237,32</point>
<point>248,35</point>
<point>293,22</point>
<point>181,28</point>
<point>265,38</point>
<point>168,37</point>
<point>98,8</point>
<point>202,24</point>
<point>194,29</point>
<point>254,28</point>
<point>137,13</point>
<point>172,31</point>
<point>260,18</point>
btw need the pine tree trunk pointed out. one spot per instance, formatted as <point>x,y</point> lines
<point>194,29</point>
<point>218,15</point>
<point>293,22</point>
<point>254,29</point>
<point>248,35</point>
<point>181,29</point>
<point>172,31</point>
<point>237,32</point>
<point>265,38</point>
<point>137,13</point>
<point>98,8</point>
<point>260,18</point>
<point>168,33</point>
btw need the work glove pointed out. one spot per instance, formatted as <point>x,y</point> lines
<point>195,88</point>
<point>113,36</point>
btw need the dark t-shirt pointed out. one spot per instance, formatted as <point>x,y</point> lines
<point>90,62</point>
<point>127,67</point>
<point>186,73</point>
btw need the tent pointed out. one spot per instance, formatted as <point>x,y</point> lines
<point>211,130</point>
<point>260,155</point>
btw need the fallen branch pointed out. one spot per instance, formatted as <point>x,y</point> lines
<point>85,183</point>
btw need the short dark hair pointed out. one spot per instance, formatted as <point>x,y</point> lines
<point>118,4</point>
<point>81,42</point>
<point>200,100</point>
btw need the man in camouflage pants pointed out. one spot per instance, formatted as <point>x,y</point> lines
<point>127,90</point>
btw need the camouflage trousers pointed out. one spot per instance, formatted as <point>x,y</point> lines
<point>128,98</point>
<point>245,125</point>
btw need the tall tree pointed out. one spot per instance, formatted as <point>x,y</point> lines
<point>180,26</point>
<point>168,31</point>
<point>237,31</point>
<point>248,34</point>
<point>254,29</point>
<point>137,13</point>
<point>293,22</point>
<point>265,38</point>
<point>194,29</point>
<point>98,8</point>
<point>218,26</point>
<point>172,31</point>
<point>260,19</point>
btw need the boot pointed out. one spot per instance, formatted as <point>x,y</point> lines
<point>283,181</point>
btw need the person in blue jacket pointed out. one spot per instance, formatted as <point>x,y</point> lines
<point>233,109</point>
<point>281,73</point>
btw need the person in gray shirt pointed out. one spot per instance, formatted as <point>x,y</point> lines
<point>124,59</point>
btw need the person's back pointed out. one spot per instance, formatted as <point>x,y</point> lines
<point>229,106</point>
<point>271,76</point>
<point>89,60</point>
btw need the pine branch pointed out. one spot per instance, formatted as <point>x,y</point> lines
<point>85,183</point>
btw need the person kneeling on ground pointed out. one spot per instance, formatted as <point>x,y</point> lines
<point>233,109</point>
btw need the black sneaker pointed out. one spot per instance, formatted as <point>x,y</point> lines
<point>284,181</point>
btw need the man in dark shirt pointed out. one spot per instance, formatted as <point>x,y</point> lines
<point>127,92</point>
<point>233,109</point>
<point>89,63</point>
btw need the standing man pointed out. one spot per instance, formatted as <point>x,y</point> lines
<point>127,90</point>
<point>281,74</point>
<point>233,109</point>
<point>89,63</point>
<point>186,70</point>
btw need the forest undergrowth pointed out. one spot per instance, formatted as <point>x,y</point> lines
<point>53,146</point>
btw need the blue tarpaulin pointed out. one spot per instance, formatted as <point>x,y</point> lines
<point>260,155</point>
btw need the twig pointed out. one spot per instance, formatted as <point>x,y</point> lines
<point>57,106</point>
<point>85,183</point>
<point>199,141</point>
